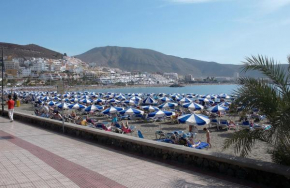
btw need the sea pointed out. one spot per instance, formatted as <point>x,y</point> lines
<point>196,89</point>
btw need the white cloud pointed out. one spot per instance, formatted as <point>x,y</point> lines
<point>273,5</point>
<point>192,1</point>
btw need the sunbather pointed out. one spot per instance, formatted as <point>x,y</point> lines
<point>196,145</point>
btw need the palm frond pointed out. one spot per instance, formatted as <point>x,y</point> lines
<point>269,68</point>
<point>244,140</point>
<point>258,94</point>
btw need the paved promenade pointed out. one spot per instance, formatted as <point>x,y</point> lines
<point>32,157</point>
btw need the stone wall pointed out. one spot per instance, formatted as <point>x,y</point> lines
<point>260,172</point>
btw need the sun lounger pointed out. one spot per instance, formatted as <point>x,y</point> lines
<point>213,122</point>
<point>223,123</point>
<point>245,125</point>
<point>140,135</point>
<point>160,134</point>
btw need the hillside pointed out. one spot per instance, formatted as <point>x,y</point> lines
<point>151,61</point>
<point>30,50</point>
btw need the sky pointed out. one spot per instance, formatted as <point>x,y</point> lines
<point>224,31</point>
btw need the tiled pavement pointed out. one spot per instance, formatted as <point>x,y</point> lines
<point>32,157</point>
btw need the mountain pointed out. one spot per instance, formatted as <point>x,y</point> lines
<point>30,50</point>
<point>146,60</point>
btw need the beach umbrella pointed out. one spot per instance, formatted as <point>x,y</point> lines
<point>86,101</point>
<point>112,110</point>
<point>121,97</point>
<point>93,108</point>
<point>112,101</point>
<point>149,100</point>
<point>165,99</point>
<point>131,111</point>
<point>99,100</point>
<point>76,106</point>
<point>185,100</point>
<point>205,100</point>
<point>46,98</point>
<point>56,98</point>
<point>66,100</point>
<point>62,106</point>
<point>192,106</point>
<point>130,102</point>
<point>74,100</point>
<point>160,113</point>
<point>136,98</point>
<point>168,105</point>
<point>197,119</point>
<point>39,101</point>
<point>217,108</point>
<point>225,104</point>
<point>66,95</point>
<point>51,103</point>
<point>150,108</point>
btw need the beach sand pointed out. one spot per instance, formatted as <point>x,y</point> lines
<point>148,130</point>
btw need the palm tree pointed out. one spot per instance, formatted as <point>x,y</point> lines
<point>272,97</point>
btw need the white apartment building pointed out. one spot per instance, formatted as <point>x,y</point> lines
<point>24,72</point>
<point>11,65</point>
<point>171,75</point>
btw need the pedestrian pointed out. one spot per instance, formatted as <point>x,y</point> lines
<point>10,104</point>
<point>207,136</point>
<point>15,97</point>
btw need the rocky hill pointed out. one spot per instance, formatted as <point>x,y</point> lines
<point>145,60</point>
<point>30,50</point>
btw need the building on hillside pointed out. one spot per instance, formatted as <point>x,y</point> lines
<point>188,78</point>
<point>12,72</point>
<point>24,72</point>
<point>11,65</point>
<point>171,75</point>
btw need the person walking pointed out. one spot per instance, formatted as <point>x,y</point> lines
<point>10,104</point>
<point>207,136</point>
<point>15,97</point>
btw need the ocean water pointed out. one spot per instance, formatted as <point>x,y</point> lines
<point>196,89</point>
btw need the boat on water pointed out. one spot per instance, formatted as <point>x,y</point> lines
<point>176,85</point>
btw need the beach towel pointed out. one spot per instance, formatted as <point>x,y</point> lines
<point>201,145</point>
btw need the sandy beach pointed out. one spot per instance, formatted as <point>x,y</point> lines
<point>148,130</point>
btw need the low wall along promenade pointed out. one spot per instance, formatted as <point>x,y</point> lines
<point>257,171</point>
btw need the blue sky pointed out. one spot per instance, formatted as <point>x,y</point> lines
<point>225,31</point>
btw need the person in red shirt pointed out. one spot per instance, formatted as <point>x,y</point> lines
<point>10,104</point>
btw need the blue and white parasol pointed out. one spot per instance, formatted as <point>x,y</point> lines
<point>150,108</point>
<point>193,106</point>
<point>160,113</point>
<point>76,106</point>
<point>51,103</point>
<point>86,101</point>
<point>217,108</point>
<point>93,108</point>
<point>112,110</point>
<point>197,119</point>
<point>62,106</point>
<point>149,100</point>
<point>168,105</point>
<point>131,111</point>
<point>185,100</point>
<point>165,99</point>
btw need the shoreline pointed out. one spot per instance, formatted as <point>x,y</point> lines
<point>91,87</point>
